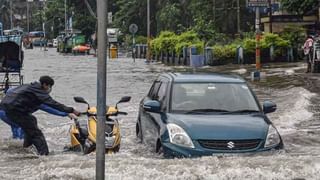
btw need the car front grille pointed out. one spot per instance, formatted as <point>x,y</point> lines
<point>230,144</point>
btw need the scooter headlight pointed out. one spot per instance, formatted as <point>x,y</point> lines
<point>178,136</point>
<point>109,141</point>
<point>273,137</point>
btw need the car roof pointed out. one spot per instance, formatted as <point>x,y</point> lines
<point>204,77</point>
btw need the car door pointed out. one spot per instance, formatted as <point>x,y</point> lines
<point>144,115</point>
<point>153,121</point>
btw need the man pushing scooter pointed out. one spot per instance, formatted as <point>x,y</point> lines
<point>22,101</point>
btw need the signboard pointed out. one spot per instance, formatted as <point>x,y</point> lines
<point>133,28</point>
<point>257,3</point>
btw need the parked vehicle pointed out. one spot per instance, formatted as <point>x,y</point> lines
<point>38,38</point>
<point>67,43</point>
<point>187,115</point>
<point>83,132</point>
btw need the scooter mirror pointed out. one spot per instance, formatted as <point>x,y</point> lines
<point>124,99</point>
<point>80,100</point>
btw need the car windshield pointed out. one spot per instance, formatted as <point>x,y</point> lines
<point>212,97</point>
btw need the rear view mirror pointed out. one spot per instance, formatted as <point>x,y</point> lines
<point>269,107</point>
<point>80,100</point>
<point>152,106</point>
<point>124,99</point>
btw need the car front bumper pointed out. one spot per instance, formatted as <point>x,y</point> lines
<point>171,150</point>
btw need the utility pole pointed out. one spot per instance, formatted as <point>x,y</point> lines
<point>11,14</point>
<point>101,88</point>
<point>270,15</point>
<point>258,37</point>
<point>148,31</point>
<point>238,16</point>
<point>214,12</point>
<point>65,17</point>
<point>28,23</point>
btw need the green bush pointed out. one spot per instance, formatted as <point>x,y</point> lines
<point>294,34</point>
<point>225,52</point>
<point>164,43</point>
<point>249,45</point>
<point>187,39</point>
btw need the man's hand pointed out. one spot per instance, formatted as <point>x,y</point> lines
<point>76,112</point>
<point>72,116</point>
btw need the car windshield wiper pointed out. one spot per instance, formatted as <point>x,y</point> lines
<point>205,111</point>
<point>243,111</point>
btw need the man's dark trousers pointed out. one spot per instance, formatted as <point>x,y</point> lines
<point>33,134</point>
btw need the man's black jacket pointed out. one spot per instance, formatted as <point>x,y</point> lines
<point>28,98</point>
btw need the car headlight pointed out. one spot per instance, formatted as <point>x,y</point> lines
<point>273,137</point>
<point>178,136</point>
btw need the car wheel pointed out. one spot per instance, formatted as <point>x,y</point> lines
<point>139,132</point>
<point>159,148</point>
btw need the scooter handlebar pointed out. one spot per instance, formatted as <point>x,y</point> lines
<point>122,113</point>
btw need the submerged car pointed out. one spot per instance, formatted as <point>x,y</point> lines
<point>188,115</point>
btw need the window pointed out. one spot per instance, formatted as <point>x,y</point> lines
<point>162,92</point>
<point>154,90</point>
<point>224,96</point>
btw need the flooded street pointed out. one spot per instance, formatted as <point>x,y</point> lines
<point>297,119</point>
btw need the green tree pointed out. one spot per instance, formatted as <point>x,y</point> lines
<point>300,6</point>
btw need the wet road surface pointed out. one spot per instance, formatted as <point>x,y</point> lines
<point>297,120</point>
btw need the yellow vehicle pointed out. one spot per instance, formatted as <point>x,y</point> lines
<point>83,132</point>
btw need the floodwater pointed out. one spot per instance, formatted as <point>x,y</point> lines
<point>297,120</point>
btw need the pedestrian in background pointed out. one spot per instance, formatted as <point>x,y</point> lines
<point>307,49</point>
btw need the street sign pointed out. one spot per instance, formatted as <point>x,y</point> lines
<point>133,28</point>
<point>257,3</point>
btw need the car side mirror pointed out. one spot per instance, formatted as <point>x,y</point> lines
<point>152,106</point>
<point>269,107</point>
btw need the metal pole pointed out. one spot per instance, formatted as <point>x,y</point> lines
<point>101,88</point>
<point>148,26</point>
<point>238,16</point>
<point>28,23</point>
<point>133,48</point>
<point>258,37</point>
<point>11,26</point>
<point>65,17</point>
<point>214,12</point>
<point>270,16</point>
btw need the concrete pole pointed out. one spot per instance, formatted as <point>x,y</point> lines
<point>101,88</point>
<point>148,29</point>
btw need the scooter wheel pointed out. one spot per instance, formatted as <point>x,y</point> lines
<point>117,149</point>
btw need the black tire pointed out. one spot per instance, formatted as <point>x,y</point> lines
<point>159,148</point>
<point>116,149</point>
<point>139,132</point>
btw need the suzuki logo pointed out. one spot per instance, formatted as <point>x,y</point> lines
<point>230,145</point>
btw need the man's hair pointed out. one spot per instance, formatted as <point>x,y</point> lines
<point>46,80</point>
